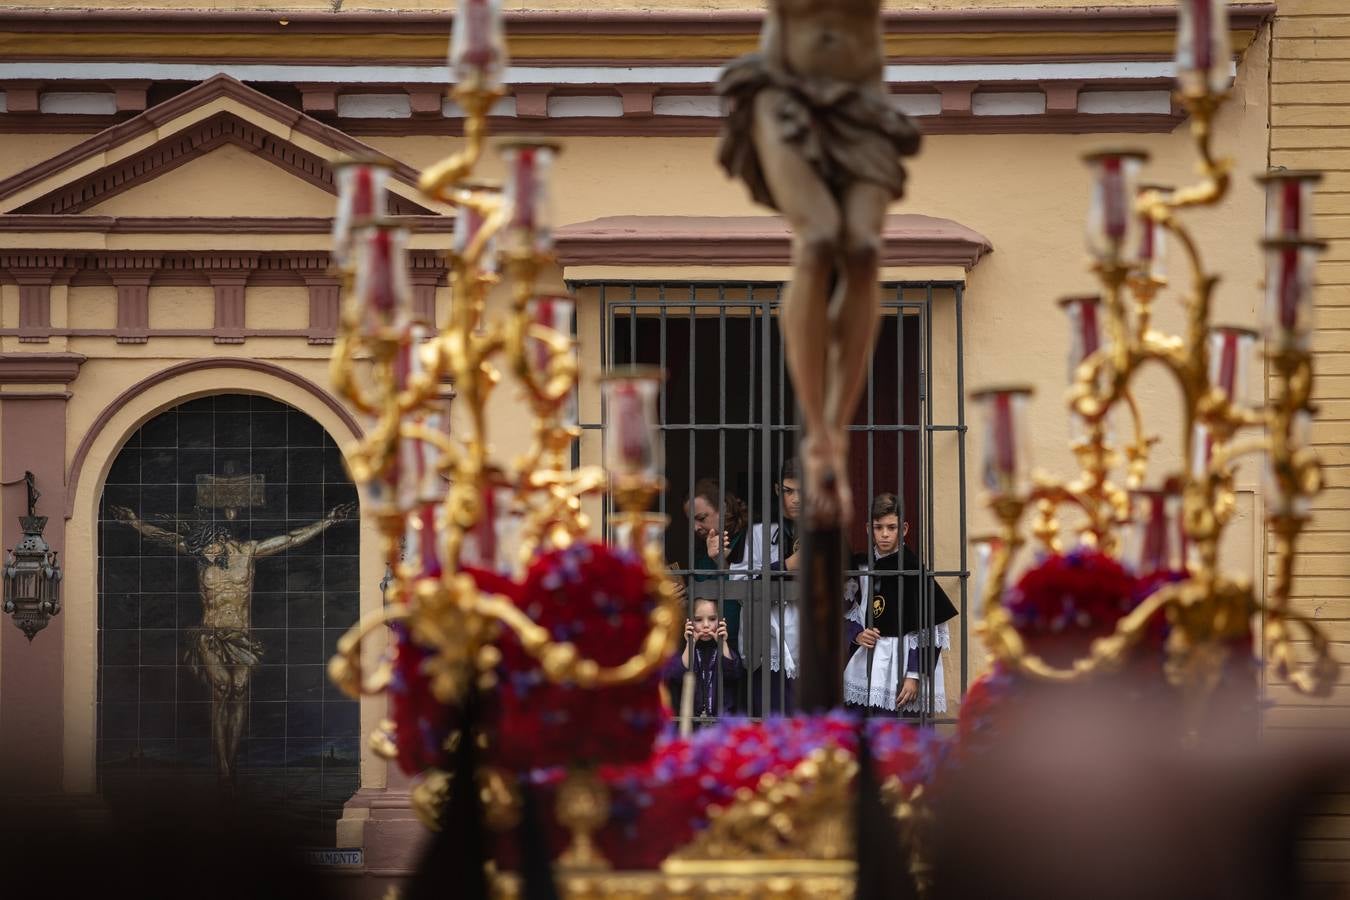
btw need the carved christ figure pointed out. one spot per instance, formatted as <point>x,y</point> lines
<point>222,653</point>
<point>812,132</point>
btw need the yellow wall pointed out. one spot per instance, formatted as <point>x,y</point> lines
<point>1310,112</point>
<point>1027,194</point>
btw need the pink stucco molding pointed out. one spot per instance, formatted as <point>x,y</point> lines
<point>908,240</point>
<point>196,365</point>
<point>40,368</point>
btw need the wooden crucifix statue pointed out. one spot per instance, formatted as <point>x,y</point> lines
<point>812,132</point>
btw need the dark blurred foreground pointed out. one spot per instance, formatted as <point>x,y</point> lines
<point>1082,796</point>
<point>1077,796</point>
<point>174,845</point>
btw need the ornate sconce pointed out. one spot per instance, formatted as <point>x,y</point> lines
<point>32,575</point>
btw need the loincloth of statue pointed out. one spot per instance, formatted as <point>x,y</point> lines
<point>221,647</point>
<point>846,134</point>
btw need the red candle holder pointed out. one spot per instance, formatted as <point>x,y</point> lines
<point>1085,331</point>
<point>527,199</point>
<point>1289,203</point>
<point>555,313</point>
<point>1007,444</point>
<point>633,449</point>
<point>362,186</point>
<point>1291,271</point>
<point>1113,224</point>
<point>469,221</point>
<point>1156,541</point>
<point>478,56</point>
<point>1230,349</point>
<point>1204,54</point>
<point>383,290</point>
<point>1152,248</point>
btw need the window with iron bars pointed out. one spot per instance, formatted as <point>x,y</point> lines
<point>729,416</point>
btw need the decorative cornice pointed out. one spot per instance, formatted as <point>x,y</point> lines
<point>27,224</point>
<point>908,240</point>
<point>707,126</point>
<point>600,34</point>
<point>196,365</point>
<point>39,368</point>
<point>155,267</point>
<point>226,127</point>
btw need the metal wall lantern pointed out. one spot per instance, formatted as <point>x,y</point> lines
<point>32,574</point>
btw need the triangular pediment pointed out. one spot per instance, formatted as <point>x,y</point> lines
<point>219,131</point>
<point>226,181</point>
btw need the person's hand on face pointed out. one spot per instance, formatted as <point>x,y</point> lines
<point>705,518</point>
<point>705,620</point>
<point>718,541</point>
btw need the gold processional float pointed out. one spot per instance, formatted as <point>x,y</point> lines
<point>507,623</point>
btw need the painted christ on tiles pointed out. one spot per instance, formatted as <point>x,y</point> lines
<point>228,568</point>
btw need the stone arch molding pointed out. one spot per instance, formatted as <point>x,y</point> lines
<point>97,449</point>
<point>283,383</point>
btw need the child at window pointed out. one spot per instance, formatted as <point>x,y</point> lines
<point>715,681</point>
<point>896,658</point>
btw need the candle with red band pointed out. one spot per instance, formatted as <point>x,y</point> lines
<point>470,219</point>
<point>477,45</point>
<point>1111,218</point>
<point>632,446</point>
<point>383,291</point>
<point>553,312</point>
<point>529,220</point>
<point>361,196</point>
<point>1007,447</point>
<point>1289,203</point>
<point>1157,541</point>
<point>1084,329</point>
<point>1152,255</point>
<point>1230,349</point>
<point>1291,269</point>
<point>1204,51</point>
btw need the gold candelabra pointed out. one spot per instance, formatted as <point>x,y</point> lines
<point>1178,525</point>
<point>441,495</point>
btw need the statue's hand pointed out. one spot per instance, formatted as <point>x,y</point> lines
<point>122,514</point>
<point>342,513</point>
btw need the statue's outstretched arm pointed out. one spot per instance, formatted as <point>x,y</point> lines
<point>151,532</point>
<point>282,542</point>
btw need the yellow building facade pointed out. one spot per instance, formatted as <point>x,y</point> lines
<point>166,192</point>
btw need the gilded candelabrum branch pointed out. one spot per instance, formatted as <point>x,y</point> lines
<point>390,367</point>
<point>1204,607</point>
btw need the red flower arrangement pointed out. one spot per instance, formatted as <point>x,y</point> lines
<point>660,804</point>
<point>595,597</point>
<point>1062,605</point>
<point>421,722</point>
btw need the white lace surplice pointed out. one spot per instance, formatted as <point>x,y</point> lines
<point>878,688</point>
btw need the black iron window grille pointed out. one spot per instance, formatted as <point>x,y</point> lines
<point>729,417</point>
